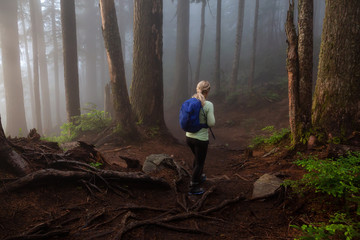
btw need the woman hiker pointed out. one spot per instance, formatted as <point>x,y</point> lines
<point>199,141</point>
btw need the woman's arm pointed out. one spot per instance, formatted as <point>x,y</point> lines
<point>210,115</point>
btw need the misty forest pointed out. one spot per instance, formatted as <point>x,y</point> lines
<point>92,102</point>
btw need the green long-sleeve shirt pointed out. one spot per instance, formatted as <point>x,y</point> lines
<point>203,134</point>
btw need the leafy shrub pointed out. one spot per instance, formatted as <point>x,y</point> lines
<point>92,120</point>
<point>339,178</point>
<point>275,136</point>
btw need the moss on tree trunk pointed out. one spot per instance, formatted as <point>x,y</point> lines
<point>336,102</point>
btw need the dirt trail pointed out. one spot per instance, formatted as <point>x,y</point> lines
<point>104,215</point>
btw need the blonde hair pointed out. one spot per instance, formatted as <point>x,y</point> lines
<point>202,88</point>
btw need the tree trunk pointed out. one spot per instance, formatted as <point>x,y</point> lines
<point>147,83</point>
<point>71,74</point>
<point>15,109</point>
<point>335,107</point>
<point>305,51</point>
<point>56,64</point>
<point>28,66</point>
<point>239,29</point>
<point>35,67</point>
<point>91,86</point>
<point>44,81</point>
<point>218,48</point>
<point>121,103</point>
<point>10,158</point>
<point>201,43</point>
<point>182,53</point>
<point>253,55</point>
<point>292,64</point>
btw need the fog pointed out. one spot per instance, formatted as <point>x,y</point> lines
<point>270,64</point>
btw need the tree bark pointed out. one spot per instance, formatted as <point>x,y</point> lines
<point>147,83</point>
<point>239,29</point>
<point>292,64</point>
<point>122,109</point>
<point>15,109</point>
<point>182,53</point>
<point>201,43</point>
<point>253,55</point>
<point>336,102</point>
<point>56,64</point>
<point>218,48</point>
<point>70,57</point>
<point>36,67</point>
<point>305,51</point>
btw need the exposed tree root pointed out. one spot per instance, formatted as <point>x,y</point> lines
<point>40,175</point>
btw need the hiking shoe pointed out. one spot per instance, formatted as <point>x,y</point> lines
<point>196,191</point>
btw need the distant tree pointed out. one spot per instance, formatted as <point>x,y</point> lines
<point>239,29</point>
<point>71,75</point>
<point>56,63</point>
<point>335,107</point>
<point>147,83</point>
<point>217,48</point>
<point>254,40</point>
<point>28,64</point>
<point>15,109</point>
<point>201,43</point>
<point>90,32</point>
<point>35,67</point>
<point>122,109</point>
<point>44,76</point>
<point>182,52</point>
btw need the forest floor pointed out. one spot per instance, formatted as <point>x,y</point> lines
<point>70,209</point>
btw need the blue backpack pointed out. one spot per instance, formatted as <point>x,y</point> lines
<point>189,115</point>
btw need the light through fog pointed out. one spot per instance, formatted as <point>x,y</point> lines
<point>93,70</point>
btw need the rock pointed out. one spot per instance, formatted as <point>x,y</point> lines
<point>266,186</point>
<point>155,162</point>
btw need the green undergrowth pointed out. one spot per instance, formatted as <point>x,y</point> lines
<point>339,178</point>
<point>92,120</point>
<point>271,137</point>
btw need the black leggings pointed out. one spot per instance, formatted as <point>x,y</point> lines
<point>199,149</point>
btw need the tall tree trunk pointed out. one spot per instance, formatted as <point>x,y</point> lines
<point>147,84</point>
<point>56,64</point>
<point>239,29</point>
<point>70,57</point>
<point>44,81</point>
<point>28,66</point>
<point>8,157</point>
<point>217,48</point>
<point>90,53</point>
<point>35,67</point>
<point>122,109</point>
<point>336,100</point>
<point>15,110</point>
<point>305,50</point>
<point>253,55</point>
<point>292,64</point>
<point>201,43</point>
<point>182,52</point>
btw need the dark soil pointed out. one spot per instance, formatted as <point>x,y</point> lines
<point>67,209</point>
